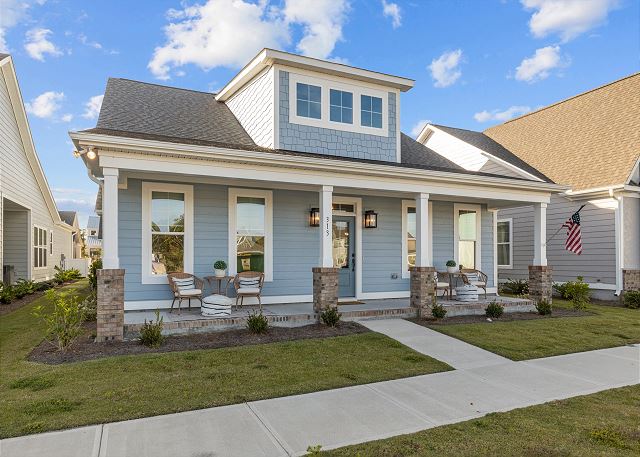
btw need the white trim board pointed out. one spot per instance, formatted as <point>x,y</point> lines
<point>406,204</point>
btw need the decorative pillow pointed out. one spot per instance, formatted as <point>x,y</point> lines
<point>184,284</point>
<point>472,276</point>
<point>250,282</point>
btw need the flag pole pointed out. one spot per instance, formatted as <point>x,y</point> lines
<point>558,231</point>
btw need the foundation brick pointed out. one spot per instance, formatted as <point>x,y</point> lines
<point>540,283</point>
<point>423,289</point>
<point>325,288</point>
<point>110,312</point>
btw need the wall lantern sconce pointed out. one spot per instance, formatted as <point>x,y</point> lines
<point>90,153</point>
<point>370,219</point>
<point>314,217</point>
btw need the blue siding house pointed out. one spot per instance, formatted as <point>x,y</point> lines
<point>297,166</point>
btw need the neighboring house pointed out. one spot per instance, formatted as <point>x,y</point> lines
<point>93,236</point>
<point>590,142</point>
<point>297,164</point>
<point>71,218</point>
<point>33,237</point>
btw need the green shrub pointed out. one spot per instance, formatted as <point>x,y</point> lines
<point>257,323</point>
<point>314,450</point>
<point>544,307</point>
<point>451,263</point>
<point>577,291</point>
<point>494,310</point>
<point>516,287</point>
<point>151,332</point>
<point>93,273</point>
<point>438,311</point>
<point>90,307</point>
<point>330,316</point>
<point>45,285</point>
<point>6,294</point>
<point>66,275</point>
<point>64,322</point>
<point>220,265</point>
<point>632,299</point>
<point>24,287</point>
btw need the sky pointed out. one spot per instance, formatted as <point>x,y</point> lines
<point>476,63</point>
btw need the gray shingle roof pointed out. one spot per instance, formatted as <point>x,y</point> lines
<point>145,108</point>
<point>483,142</point>
<point>67,216</point>
<point>136,109</point>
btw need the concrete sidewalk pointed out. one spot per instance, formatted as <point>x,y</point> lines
<point>334,418</point>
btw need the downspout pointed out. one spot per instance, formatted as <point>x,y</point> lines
<point>619,236</point>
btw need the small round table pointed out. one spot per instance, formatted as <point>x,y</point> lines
<point>221,281</point>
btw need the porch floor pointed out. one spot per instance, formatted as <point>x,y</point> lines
<point>296,314</point>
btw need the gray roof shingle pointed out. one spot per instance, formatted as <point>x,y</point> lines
<point>483,142</point>
<point>67,216</point>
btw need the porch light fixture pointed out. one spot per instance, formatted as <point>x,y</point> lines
<point>90,153</point>
<point>314,217</point>
<point>370,219</point>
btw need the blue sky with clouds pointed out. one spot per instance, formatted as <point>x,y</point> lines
<point>475,62</point>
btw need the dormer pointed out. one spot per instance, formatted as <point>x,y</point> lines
<point>291,102</point>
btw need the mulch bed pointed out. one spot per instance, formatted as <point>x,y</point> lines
<point>506,317</point>
<point>86,349</point>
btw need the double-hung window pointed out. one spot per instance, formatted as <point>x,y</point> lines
<point>467,235</point>
<point>371,111</point>
<point>250,231</point>
<point>167,230</point>
<point>505,243</point>
<point>40,247</point>
<point>51,242</point>
<point>341,106</point>
<point>410,235</point>
<point>308,101</point>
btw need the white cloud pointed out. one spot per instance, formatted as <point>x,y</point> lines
<point>38,44</point>
<point>567,18</point>
<point>45,105</point>
<point>67,117</point>
<point>208,35</point>
<point>418,126</point>
<point>392,10</point>
<point>79,200</point>
<point>87,42</point>
<point>445,69</point>
<point>92,107</point>
<point>539,66</point>
<point>12,11</point>
<point>505,115</point>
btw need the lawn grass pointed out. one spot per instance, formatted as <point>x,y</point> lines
<point>609,326</point>
<point>36,397</point>
<point>606,423</point>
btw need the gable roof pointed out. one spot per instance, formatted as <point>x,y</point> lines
<point>488,145</point>
<point>8,72</point>
<point>69,217</point>
<point>588,141</point>
<point>134,109</point>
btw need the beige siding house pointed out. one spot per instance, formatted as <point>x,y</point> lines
<point>33,237</point>
<point>590,142</point>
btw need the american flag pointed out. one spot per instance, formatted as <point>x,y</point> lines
<point>574,236</point>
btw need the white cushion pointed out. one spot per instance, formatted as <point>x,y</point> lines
<point>253,281</point>
<point>217,300</point>
<point>442,284</point>
<point>478,283</point>
<point>248,290</point>
<point>190,292</point>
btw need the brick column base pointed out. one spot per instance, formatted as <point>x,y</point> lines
<point>540,283</point>
<point>630,279</point>
<point>423,290</point>
<point>110,312</point>
<point>325,288</point>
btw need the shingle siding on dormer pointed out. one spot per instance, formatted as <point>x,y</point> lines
<point>319,140</point>
<point>253,106</point>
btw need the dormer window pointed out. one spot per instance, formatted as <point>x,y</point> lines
<point>371,111</point>
<point>308,100</point>
<point>341,106</point>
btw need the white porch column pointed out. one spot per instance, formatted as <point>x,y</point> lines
<point>423,256</point>
<point>326,230</point>
<point>110,219</point>
<point>540,234</point>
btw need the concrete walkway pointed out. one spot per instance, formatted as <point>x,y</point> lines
<point>286,426</point>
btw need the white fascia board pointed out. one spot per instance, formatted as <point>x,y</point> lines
<point>17,104</point>
<point>488,155</point>
<point>268,57</point>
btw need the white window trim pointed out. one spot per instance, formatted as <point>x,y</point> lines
<point>40,246</point>
<point>456,236</point>
<point>325,121</point>
<point>406,204</point>
<point>51,241</point>
<point>510,221</point>
<point>234,193</point>
<point>147,189</point>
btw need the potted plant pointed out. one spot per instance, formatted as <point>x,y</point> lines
<point>451,266</point>
<point>220,268</point>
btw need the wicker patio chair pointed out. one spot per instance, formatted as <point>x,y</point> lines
<point>248,284</point>
<point>475,278</point>
<point>184,286</point>
<point>442,285</point>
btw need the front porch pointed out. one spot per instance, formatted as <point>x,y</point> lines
<point>299,314</point>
